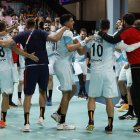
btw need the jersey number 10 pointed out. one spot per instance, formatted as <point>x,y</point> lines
<point>99,50</point>
<point>2,53</point>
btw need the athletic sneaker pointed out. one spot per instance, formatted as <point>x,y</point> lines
<point>41,121</point>
<point>108,129</point>
<point>11,104</point>
<point>49,102</point>
<point>127,116</point>
<point>90,127</point>
<point>85,95</point>
<point>65,126</point>
<point>26,128</point>
<point>136,130</point>
<point>56,117</point>
<point>124,107</point>
<point>80,94</point>
<point>19,103</point>
<point>137,125</point>
<point>120,103</point>
<point>2,124</point>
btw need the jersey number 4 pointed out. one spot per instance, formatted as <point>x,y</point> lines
<point>98,49</point>
<point>2,53</point>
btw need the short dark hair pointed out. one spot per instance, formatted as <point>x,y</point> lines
<point>30,23</point>
<point>137,23</point>
<point>104,24</point>
<point>2,26</point>
<point>129,18</point>
<point>83,30</point>
<point>119,19</point>
<point>64,18</point>
<point>48,21</point>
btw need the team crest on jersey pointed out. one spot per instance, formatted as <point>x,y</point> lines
<point>98,39</point>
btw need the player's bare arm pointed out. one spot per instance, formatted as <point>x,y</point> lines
<point>12,44</point>
<point>57,36</point>
<point>79,45</point>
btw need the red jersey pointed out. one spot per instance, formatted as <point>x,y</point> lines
<point>14,55</point>
<point>131,36</point>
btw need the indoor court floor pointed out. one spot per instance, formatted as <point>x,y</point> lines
<point>77,115</point>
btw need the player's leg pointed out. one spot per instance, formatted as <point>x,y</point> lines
<point>79,73</point>
<point>130,113</point>
<point>84,69</point>
<point>50,90</point>
<point>30,80</point>
<point>123,89</point>
<point>43,83</point>
<point>95,90</point>
<point>15,80</point>
<point>65,77</point>
<point>135,96</point>
<point>118,68</point>
<point>91,108</point>
<point>4,108</point>
<point>110,113</point>
<point>84,86</point>
<point>42,103</point>
<point>6,87</point>
<point>109,91</point>
<point>27,106</point>
<point>20,87</point>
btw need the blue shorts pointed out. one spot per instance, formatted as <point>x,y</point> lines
<point>35,75</point>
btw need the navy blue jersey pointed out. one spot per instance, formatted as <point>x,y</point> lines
<point>37,44</point>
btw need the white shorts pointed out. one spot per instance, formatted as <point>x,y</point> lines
<point>125,75</point>
<point>63,71</point>
<point>103,83</point>
<point>118,67</point>
<point>21,74</point>
<point>51,65</point>
<point>6,82</point>
<point>80,67</point>
<point>15,73</point>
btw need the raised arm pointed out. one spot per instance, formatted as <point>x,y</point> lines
<point>79,46</point>
<point>57,36</point>
<point>111,39</point>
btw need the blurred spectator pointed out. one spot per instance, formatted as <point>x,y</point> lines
<point>9,11</point>
<point>14,19</point>
<point>75,33</point>
<point>21,26</point>
<point>1,11</point>
<point>57,23</point>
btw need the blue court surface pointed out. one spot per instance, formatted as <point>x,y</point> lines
<point>77,115</point>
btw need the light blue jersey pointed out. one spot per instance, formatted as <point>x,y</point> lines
<point>77,57</point>
<point>51,47</point>
<point>62,52</point>
<point>6,60</point>
<point>101,54</point>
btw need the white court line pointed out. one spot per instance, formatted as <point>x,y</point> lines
<point>62,137</point>
<point>52,135</point>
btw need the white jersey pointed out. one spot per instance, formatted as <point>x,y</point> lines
<point>77,57</point>
<point>62,51</point>
<point>6,60</point>
<point>51,47</point>
<point>101,54</point>
<point>21,28</point>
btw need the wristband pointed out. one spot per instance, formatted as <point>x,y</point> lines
<point>83,43</point>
